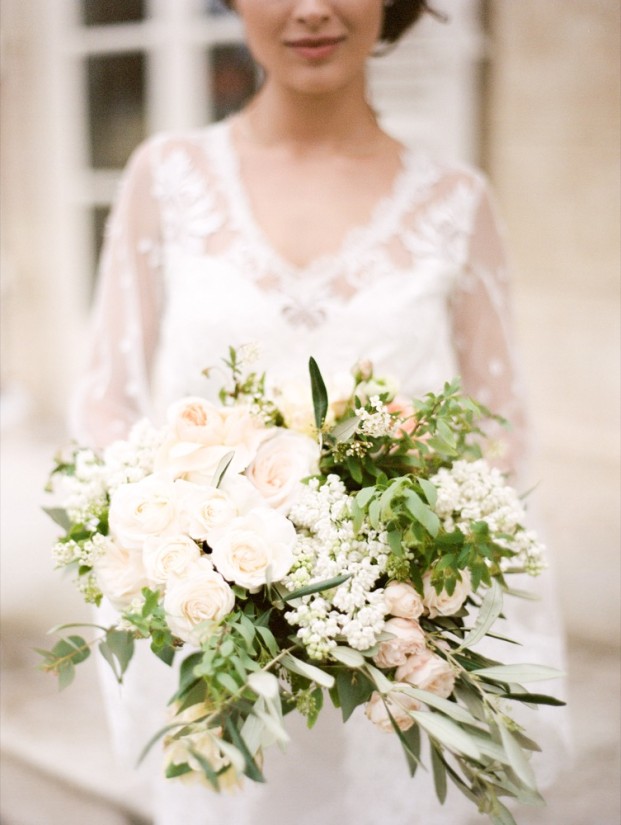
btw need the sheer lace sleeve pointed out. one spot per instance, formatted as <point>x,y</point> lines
<point>114,390</point>
<point>482,328</point>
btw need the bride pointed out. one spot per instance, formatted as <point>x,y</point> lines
<point>300,224</point>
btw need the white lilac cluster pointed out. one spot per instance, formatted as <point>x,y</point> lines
<point>328,547</point>
<point>472,491</point>
<point>377,423</point>
<point>133,459</point>
<point>84,492</point>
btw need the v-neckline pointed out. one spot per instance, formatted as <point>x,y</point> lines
<point>383,218</point>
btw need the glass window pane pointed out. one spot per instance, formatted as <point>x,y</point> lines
<point>102,12</point>
<point>233,78</point>
<point>116,96</point>
<point>99,219</point>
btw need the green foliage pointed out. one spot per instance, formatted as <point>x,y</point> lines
<point>320,394</point>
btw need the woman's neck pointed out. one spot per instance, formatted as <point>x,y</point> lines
<point>344,123</point>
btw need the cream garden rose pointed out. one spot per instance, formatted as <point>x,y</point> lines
<point>403,600</point>
<point>194,419</point>
<point>141,510</point>
<point>281,462</point>
<point>201,595</point>
<point>257,548</point>
<point>443,604</point>
<point>399,705</point>
<point>428,672</point>
<point>408,638</point>
<point>120,573</point>
<point>167,557</point>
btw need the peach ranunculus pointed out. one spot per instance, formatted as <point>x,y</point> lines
<point>120,573</point>
<point>405,423</point>
<point>168,556</point>
<point>280,464</point>
<point>257,548</point>
<point>441,604</point>
<point>143,509</point>
<point>200,595</point>
<point>408,638</point>
<point>399,704</point>
<point>403,600</point>
<point>428,671</point>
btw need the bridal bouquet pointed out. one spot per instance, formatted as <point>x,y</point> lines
<point>354,549</point>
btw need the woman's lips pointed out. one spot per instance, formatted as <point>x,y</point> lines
<point>315,48</point>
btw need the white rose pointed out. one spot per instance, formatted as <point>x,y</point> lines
<point>408,638</point>
<point>243,431</point>
<point>120,573</point>
<point>399,705</point>
<point>201,595</point>
<point>168,556</point>
<point>142,510</point>
<point>441,604</point>
<point>387,385</point>
<point>256,548</point>
<point>428,672</point>
<point>196,420</point>
<point>206,511</point>
<point>403,600</point>
<point>280,464</point>
<point>194,462</point>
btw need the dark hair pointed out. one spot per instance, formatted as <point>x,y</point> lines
<point>401,14</point>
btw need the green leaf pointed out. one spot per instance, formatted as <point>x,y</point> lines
<point>422,512</point>
<point>364,496</point>
<point>251,770</point>
<point>451,709</point>
<point>264,684</point>
<point>430,491</point>
<point>535,699</point>
<point>227,682</point>
<point>348,657</point>
<point>501,815</point>
<point>345,430</point>
<point>117,649</point>
<point>222,467</point>
<point>320,394</point>
<point>353,689</point>
<point>382,683</point>
<point>317,587</point>
<point>73,648</point>
<point>66,673</point>
<point>517,758</point>
<point>268,638</point>
<point>59,516</point>
<point>490,610</point>
<point>518,673</point>
<point>447,732</point>
<point>307,670</point>
<point>439,774</point>
<point>173,771</point>
<point>211,775</point>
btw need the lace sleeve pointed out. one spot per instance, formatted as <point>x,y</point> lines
<point>114,391</point>
<point>483,335</point>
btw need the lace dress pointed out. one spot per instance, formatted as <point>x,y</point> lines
<point>421,290</point>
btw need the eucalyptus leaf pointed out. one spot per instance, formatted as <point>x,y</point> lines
<point>320,394</point>
<point>383,684</point>
<point>251,769</point>
<point>430,491</point>
<point>353,689</point>
<point>535,699</point>
<point>207,768</point>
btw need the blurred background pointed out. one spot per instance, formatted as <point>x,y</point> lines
<point>528,90</point>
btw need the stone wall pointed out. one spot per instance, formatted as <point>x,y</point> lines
<point>552,112</point>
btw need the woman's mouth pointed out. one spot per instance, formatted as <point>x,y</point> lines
<point>315,48</point>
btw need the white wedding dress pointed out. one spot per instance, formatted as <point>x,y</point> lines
<point>421,290</point>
